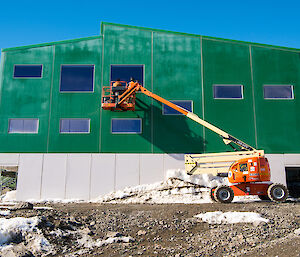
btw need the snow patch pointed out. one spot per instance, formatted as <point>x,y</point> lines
<point>10,196</point>
<point>88,242</point>
<point>25,229</point>
<point>10,228</point>
<point>206,180</point>
<point>4,213</point>
<point>219,217</point>
<point>178,187</point>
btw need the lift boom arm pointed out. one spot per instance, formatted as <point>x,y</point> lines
<point>227,138</point>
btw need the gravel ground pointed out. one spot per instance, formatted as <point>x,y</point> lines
<point>164,230</point>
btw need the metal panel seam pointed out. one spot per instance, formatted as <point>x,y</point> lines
<point>152,126</point>
<point>102,65</point>
<point>42,172</point>
<point>253,97</point>
<point>50,104</point>
<point>66,176</point>
<point>2,76</point>
<point>139,169</point>
<point>90,178</point>
<point>202,91</point>
<point>115,172</point>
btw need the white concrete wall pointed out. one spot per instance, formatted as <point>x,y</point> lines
<point>86,176</point>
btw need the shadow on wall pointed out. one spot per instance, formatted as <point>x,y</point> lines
<point>171,133</point>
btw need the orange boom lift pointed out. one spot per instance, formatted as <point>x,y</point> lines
<point>247,169</point>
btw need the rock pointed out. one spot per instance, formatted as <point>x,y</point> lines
<point>141,232</point>
<point>17,251</point>
<point>65,226</point>
<point>22,206</point>
<point>92,223</point>
<point>113,234</point>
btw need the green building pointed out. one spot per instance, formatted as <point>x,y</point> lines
<point>51,118</point>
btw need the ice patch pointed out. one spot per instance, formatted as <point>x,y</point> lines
<point>219,217</point>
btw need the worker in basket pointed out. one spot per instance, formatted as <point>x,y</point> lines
<point>131,84</point>
<point>118,89</point>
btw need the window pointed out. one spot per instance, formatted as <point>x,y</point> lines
<point>126,126</point>
<point>77,78</point>
<point>278,92</point>
<point>243,167</point>
<point>23,126</point>
<point>125,72</point>
<point>28,71</point>
<point>185,104</point>
<point>228,91</point>
<point>74,126</point>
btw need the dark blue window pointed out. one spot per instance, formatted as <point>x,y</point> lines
<point>228,91</point>
<point>77,78</point>
<point>188,105</point>
<point>74,126</point>
<point>125,72</point>
<point>23,126</point>
<point>27,71</point>
<point>278,92</point>
<point>130,126</point>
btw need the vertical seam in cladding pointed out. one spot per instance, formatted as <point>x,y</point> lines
<point>202,90</point>
<point>101,83</point>
<point>50,104</point>
<point>139,169</point>
<point>253,97</point>
<point>66,176</point>
<point>2,76</point>
<point>115,172</point>
<point>152,126</point>
<point>42,172</point>
<point>90,175</point>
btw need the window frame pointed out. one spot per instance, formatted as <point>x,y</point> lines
<point>37,126</point>
<point>143,65</point>
<point>42,71</point>
<point>225,98</point>
<point>277,98</point>
<point>89,131</point>
<point>162,109</point>
<point>88,92</point>
<point>132,133</point>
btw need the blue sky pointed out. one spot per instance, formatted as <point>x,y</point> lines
<point>32,22</point>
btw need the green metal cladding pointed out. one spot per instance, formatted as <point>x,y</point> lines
<point>177,66</point>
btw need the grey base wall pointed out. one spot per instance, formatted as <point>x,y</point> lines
<point>86,176</point>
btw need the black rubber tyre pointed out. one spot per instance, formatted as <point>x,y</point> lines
<point>224,194</point>
<point>264,197</point>
<point>211,194</point>
<point>278,193</point>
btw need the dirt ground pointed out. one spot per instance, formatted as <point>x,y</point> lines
<point>168,229</point>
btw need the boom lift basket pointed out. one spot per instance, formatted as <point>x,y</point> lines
<point>111,97</point>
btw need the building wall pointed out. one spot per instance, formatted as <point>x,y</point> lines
<point>176,67</point>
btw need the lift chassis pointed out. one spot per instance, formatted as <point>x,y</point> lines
<point>247,168</point>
